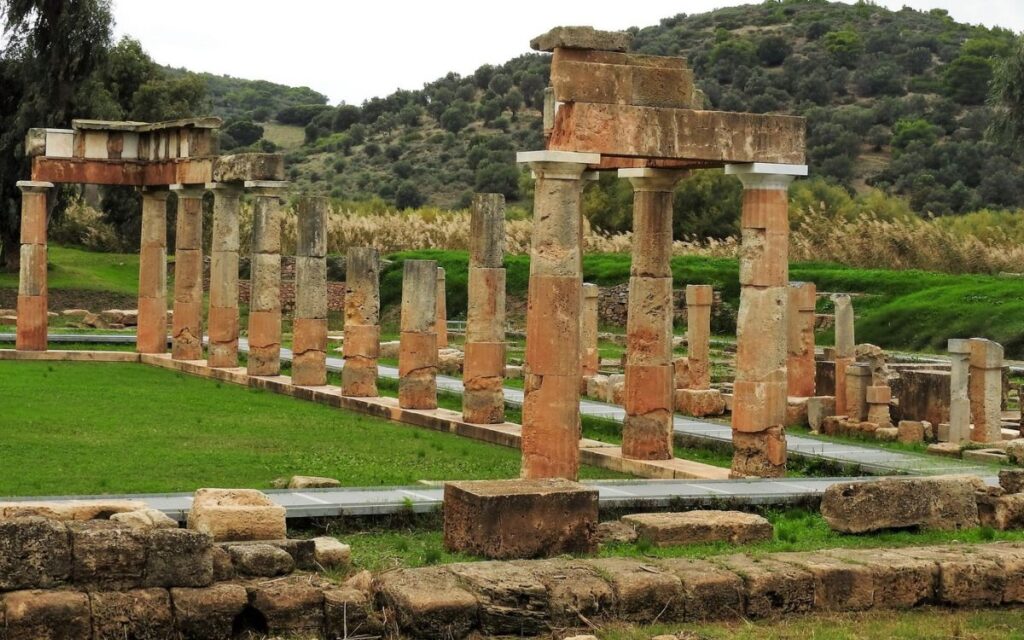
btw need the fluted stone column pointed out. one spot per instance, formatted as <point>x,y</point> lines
<point>647,428</point>
<point>32,288</point>
<point>187,325</point>
<point>417,355</point>
<point>483,401</point>
<point>151,331</point>
<point>845,348</point>
<point>265,276</point>
<point>759,392</point>
<point>986,390</point>
<point>800,367</point>
<point>442,310</point>
<point>590,357</point>
<point>309,343</point>
<point>223,317</point>
<point>959,400</point>
<point>362,323</point>
<point>551,412</point>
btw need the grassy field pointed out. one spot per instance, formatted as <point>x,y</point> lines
<point>86,270</point>
<point>79,428</point>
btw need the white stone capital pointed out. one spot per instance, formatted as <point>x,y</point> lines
<point>558,165</point>
<point>653,179</point>
<point>763,175</point>
<point>188,190</point>
<point>225,188</point>
<point>267,188</point>
<point>959,346</point>
<point>32,186</point>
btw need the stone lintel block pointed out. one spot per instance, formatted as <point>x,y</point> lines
<point>507,519</point>
<point>986,354</point>
<point>552,318</point>
<point>487,231</point>
<point>648,389</point>
<point>361,341</point>
<point>312,226</point>
<point>600,82</point>
<point>236,515</point>
<point>484,359</point>
<point>248,167</point>
<point>700,527</point>
<point>551,425</point>
<point>419,295</point>
<point>699,403</point>
<point>582,38</point>
<point>879,394</point>
<point>699,295</point>
<point>757,406</point>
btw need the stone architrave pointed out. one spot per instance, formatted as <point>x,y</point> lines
<point>31,330</point>
<point>187,323</point>
<point>959,399</point>
<point>986,389</point>
<point>551,411</point>
<point>362,322</point>
<point>417,356</point>
<point>441,300</point>
<point>800,367</point>
<point>759,391</point>
<point>223,316</point>
<point>590,357</point>
<point>483,401</point>
<point>844,348</point>
<point>647,428</point>
<point>309,344</point>
<point>265,276</point>
<point>694,395</point>
<point>151,331</point>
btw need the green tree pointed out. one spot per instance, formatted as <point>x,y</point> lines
<point>1007,96</point>
<point>456,117</point>
<point>967,79</point>
<point>772,50</point>
<point>169,98</point>
<point>845,46</point>
<point>345,116</point>
<point>244,132</point>
<point>408,196</point>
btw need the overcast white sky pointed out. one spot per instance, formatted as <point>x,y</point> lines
<point>354,50</point>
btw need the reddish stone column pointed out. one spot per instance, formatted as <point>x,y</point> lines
<point>986,390</point>
<point>483,401</point>
<point>362,318</point>
<point>152,325</point>
<point>309,344</point>
<point>845,348</point>
<point>265,276</point>
<point>32,288</point>
<point>590,356</point>
<point>441,323</point>
<point>800,368</point>
<point>223,317</point>
<point>417,355</point>
<point>647,429</point>
<point>551,410</point>
<point>759,392</point>
<point>694,395</point>
<point>187,325</point>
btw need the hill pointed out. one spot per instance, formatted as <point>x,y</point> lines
<point>893,100</point>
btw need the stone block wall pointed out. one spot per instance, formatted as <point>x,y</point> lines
<point>612,305</point>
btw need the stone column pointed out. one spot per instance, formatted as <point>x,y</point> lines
<point>151,331</point>
<point>986,390</point>
<point>759,392</point>
<point>442,311</point>
<point>959,400</point>
<point>590,357</point>
<point>187,325</point>
<point>857,381</point>
<point>309,328</point>
<point>362,318</point>
<point>694,395</point>
<point>223,316</point>
<point>32,289</point>
<point>417,355</point>
<point>551,410</point>
<point>265,279</point>
<point>800,367</point>
<point>483,401</point>
<point>647,428</point>
<point>845,347</point>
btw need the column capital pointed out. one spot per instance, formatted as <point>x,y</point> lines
<point>32,186</point>
<point>762,175</point>
<point>558,165</point>
<point>652,179</point>
<point>267,188</point>
<point>188,190</point>
<point>591,290</point>
<point>155,193</point>
<point>959,346</point>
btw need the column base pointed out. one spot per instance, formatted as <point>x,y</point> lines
<point>483,400</point>
<point>31,324</point>
<point>761,454</point>
<point>648,436</point>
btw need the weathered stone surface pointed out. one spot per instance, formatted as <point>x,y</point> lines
<point>839,584</point>
<point>942,502</point>
<point>1003,513</point>
<point>236,514</point>
<point>140,614</point>
<point>208,614</point>
<point>1012,480</point>
<point>582,38</point>
<point>291,606</point>
<point>349,613</point>
<point>428,603</point>
<point>244,167</point>
<point>642,591</point>
<point>261,560</point>
<point>329,553</point>
<point>302,551</point>
<point>616,531</point>
<point>519,518</point>
<point>708,591</point>
<point>771,587</point>
<point>966,580</point>
<point>57,615</point>
<point>107,555</point>
<point>698,527</point>
<point>512,600</point>
<point>911,431</point>
<point>79,510</point>
<point>584,78</point>
<point>34,553</point>
<point>818,408</point>
<point>178,558</point>
<point>899,580</point>
<point>487,231</point>
<point>222,567</point>
<point>312,482</point>
<point>761,454</point>
<point>145,519</point>
<point>699,402</point>
<point>574,588</point>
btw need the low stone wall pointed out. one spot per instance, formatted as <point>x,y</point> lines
<point>613,303</point>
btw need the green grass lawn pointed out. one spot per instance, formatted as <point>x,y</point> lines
<point>87,270</point>
<point>82,428</point>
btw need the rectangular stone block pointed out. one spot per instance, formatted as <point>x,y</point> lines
<point>224,279</point>
<point>178,558</point>
<point>700,527</point>
<point>244,167</point>
<point>643,592</point>
<point>310,287</point>
<point>839,585</point>
<point>551,426</point>
<point>223,324</point>
<point>32,277</point>
<point>771,588</point>
<point>419,296</point>
<point>579,81</point>
<point>758,405</point>
<point>708,591</point>
<point>236,514</point>
<point>699,295</point>
<point>361,341</point>
<point>309,334</point>
<point>648,388</point>
<point>266,282</point>
<point>311,231</point>
<point>107,555</point>
<point>761,333</point>
<point>506,519</point>
<point>764,258</point>
<point>429,602</point>
<point>188,276</point>
<point>649,323</point>
<point>485,315</point>
<point>292,607</point>
<point>986,354</point>
<point>878,394</point>
<point>139,613</point>
<point>581,38</point>
<point>552,344</point>
<point>484,359</point>
<point>32,323</point>
<point>35,553</point>
<point>487,231</point>
<point>32,615</point>
<point>417,351</point>
<point>208,612</point>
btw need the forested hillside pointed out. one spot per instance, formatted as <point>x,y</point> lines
<point>893,100</point>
